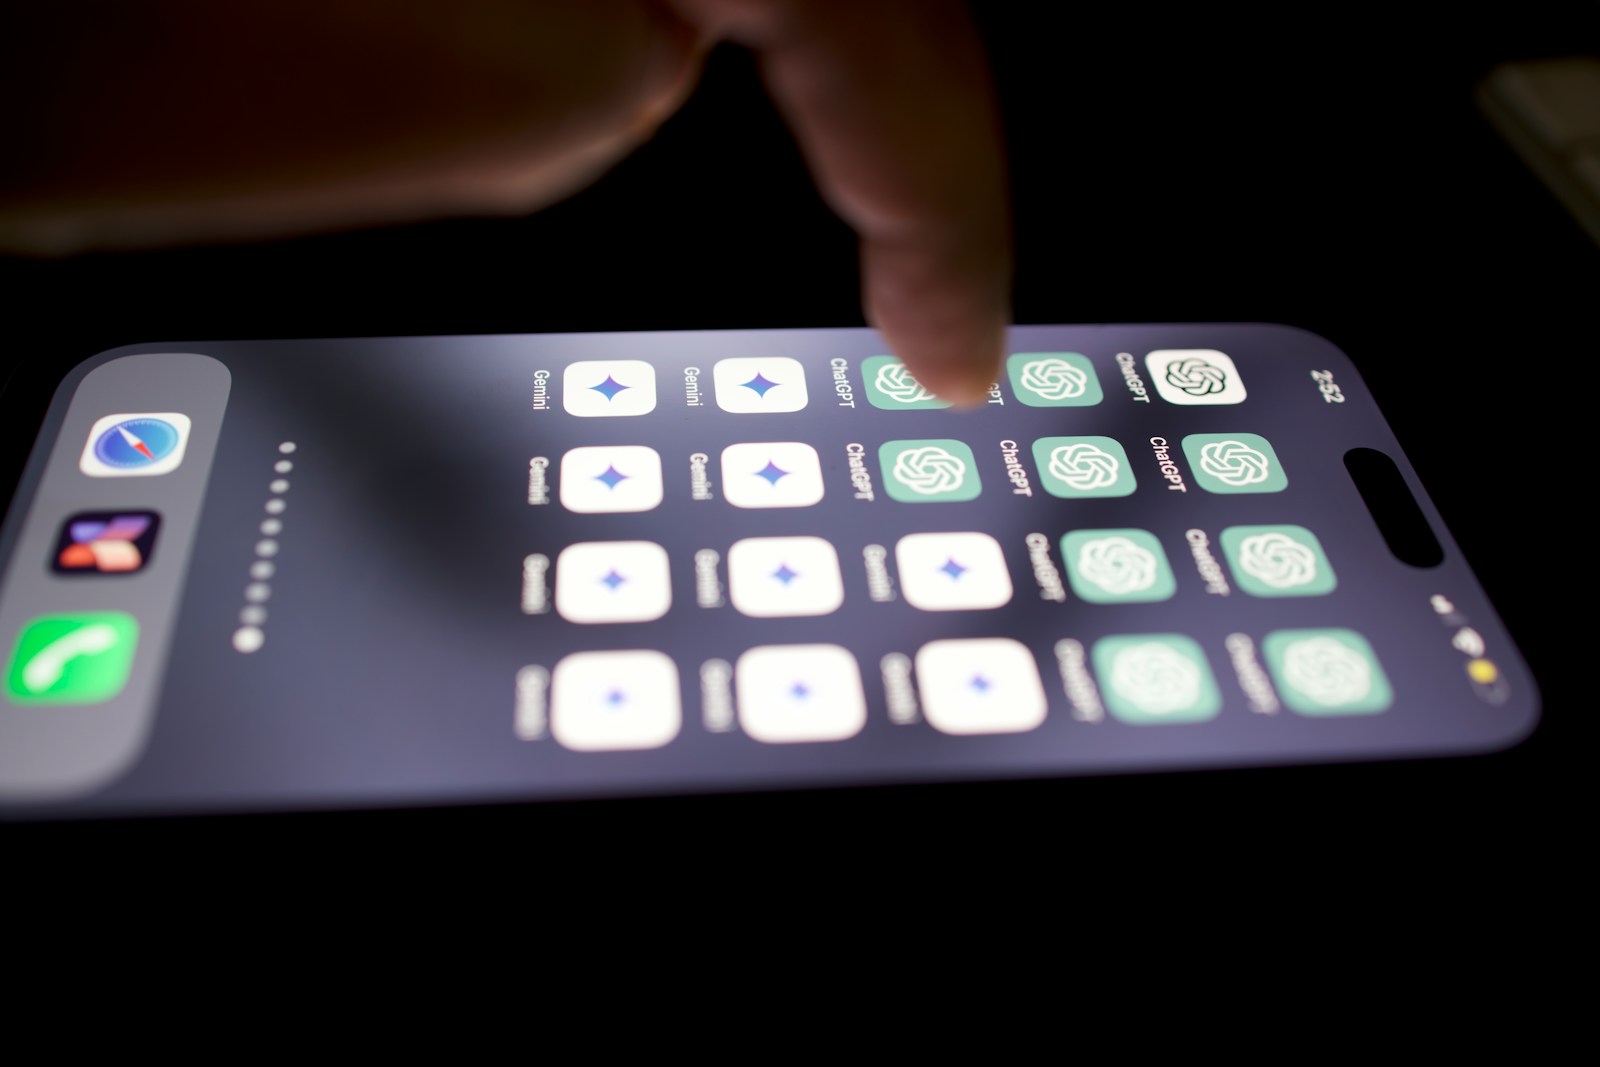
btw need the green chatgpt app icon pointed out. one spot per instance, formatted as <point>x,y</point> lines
<point>1234,463</point>
<point>1071,467</point>
<point>1331,671</point>
<point>1054,379</point>
<point>890,387</point>
<point>1148,679</point>
<point>80,658</point>
<point>918,472</point>
<point>1276,561</point>
<point>1117,566</point>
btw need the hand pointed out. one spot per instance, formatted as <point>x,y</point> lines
<point>176,121</point>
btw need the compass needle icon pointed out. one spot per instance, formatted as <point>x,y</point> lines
<point>131,445</point>
<point>136,444</point>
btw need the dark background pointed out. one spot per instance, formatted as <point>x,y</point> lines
<point>1322,168</point>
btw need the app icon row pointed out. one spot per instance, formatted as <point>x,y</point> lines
<point>788,474</point>
<point>609,388</point>
<point>86,657</point>
<point>772,577</point>
<point>787,694</point>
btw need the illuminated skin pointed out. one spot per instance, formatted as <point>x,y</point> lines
<point>173,121</point>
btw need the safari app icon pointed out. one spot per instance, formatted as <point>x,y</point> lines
<point>135,445</point>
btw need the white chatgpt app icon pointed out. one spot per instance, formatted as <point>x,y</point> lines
<point>1191,376</point>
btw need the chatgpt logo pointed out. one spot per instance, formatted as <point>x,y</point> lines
<point>1053,379</point>
<point>928,471</point>
<point>1278,561</point>
<point>1156,678</point>
<point>891,387</point>
<point>1082,466</point>
<point>1275,561</point>
<point>1195,376</point>
<point>1234,463</point>
<point>1117,566</point>
<point>1327,672</point>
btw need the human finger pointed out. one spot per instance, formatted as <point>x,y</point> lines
<point>184,120</point>
<point>892,104</point>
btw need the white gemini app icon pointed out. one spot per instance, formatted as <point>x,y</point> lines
<point>747,385</point>
<point>611,478</point>
<point>612,581</point>
<point>1195,376</point>
<point>952,571</point>
<point>601,388</point>
<point>777,474</point>
<point>605,701</point>
<point>789,693</point>
<point>983,685</point>
<point>775,576</point>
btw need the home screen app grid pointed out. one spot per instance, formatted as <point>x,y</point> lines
<point>967,684</point>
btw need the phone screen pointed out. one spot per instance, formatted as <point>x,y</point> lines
<point>262,575</point>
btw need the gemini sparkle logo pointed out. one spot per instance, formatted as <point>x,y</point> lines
<point>759,385</point>
<point>608,388</point>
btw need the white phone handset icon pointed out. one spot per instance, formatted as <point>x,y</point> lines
<point>50,662</point>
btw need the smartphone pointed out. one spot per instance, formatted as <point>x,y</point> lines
<point>302,574</point>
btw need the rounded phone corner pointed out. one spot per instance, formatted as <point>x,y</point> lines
<point>1302,334</point>
<point>97,766</point>
<point>130,351</point>
<point>1519,724</point>
<point>196,365</point>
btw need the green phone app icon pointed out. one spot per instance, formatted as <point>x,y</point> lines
<point>1327,672</point>
<point>1072,467</point>
<point>1117,566</point>
<point>1054,379</point>
<point>81,658</point>
<point>1156,678</point>
<point>1234,463</point>
<point>919,472</point>
<point>1278,561</point>
<point>891,387</point>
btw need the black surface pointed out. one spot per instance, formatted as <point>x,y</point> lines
<point>1328,171</point>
